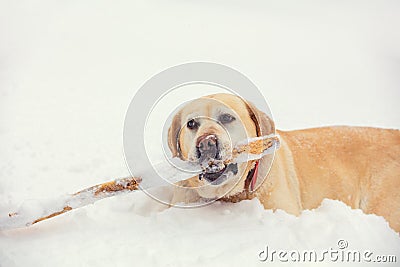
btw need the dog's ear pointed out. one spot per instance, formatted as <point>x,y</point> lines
<point>173,135</point>
<point>264,124</point>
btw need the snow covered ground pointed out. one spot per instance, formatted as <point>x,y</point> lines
<point>68,70</point>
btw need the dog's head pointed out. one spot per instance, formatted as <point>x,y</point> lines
<point>204,131</point>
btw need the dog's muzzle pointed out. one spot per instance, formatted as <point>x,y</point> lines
<point>214,170</point>
<point>207,148</point>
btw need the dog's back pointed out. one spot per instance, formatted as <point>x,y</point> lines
<point>357,165</point>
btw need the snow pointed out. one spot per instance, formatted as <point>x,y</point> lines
<point>69,70</point>
<point>123,231</point>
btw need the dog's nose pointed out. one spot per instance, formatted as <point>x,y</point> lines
<point>207,146</point>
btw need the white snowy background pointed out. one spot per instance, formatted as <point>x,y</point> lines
<point>68,70</point>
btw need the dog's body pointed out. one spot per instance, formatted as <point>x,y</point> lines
<point>357,165</point>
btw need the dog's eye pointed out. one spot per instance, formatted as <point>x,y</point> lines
<point>192,124</point>
<point>226,118</point>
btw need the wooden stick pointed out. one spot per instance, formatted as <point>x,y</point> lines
<point>89,196</point>
<point>257,146</point>
<point>103,190</point>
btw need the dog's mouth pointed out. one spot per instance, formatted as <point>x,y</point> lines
<point>217,173</point>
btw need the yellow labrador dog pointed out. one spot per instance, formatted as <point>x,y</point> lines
<point>357,165</point>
